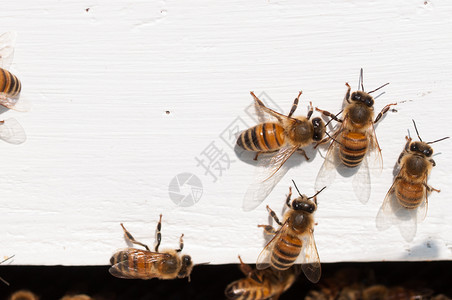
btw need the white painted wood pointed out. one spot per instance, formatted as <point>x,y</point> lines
<point>102,150</point>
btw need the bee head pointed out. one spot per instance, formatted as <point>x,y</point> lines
<point>363,97</point>
<point>319,129</point>
<point>187,265</point>
<point>302,203</point>
<point>421,148</point>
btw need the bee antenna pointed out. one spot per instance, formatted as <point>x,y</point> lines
<point>417,132</point>
<point>444,138</point>
<point>360,82</point>
<point>378,88</point>
<point>317,192</point>
<point>296,187</point>
<point>332,138</point>
<point>331,119</point>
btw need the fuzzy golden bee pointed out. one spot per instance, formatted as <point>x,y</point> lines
<point>293,242</point>
<point>132,263</point>
<point>261,284</point>
<point>353,140</point>
<point>406,202</point>
<point>10,87</point>
<point>281,134</point>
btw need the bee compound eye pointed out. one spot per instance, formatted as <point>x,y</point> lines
<point>296,205</point>
<point>413,147</point>
<point>316,122</point>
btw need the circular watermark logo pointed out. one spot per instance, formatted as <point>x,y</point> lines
<point>185,189</point>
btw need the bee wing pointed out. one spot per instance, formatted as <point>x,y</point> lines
<point>7,43</point>
<point>386,215</point>
<point>392,213</point>
<point>361,182</point>
<point>12,132</point>
<point>269,171</point>
<point>17,103</point>
<point>422,208</point>
<point>264,258</point>
<point>125,270</point>
<point>266,114</point>
<point>309,258</point>
<point>374,152</point>
<point>327,171</point>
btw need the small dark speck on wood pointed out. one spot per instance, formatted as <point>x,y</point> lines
<point>87,10</point>
<point>167,112</point>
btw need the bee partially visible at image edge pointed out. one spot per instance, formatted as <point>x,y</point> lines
<point>261,284</point>
<point>407,198</point>
<point>281,134</point>
<point>132,263</point>
<point>10,87</point>
<point>353,140</point>
<point>294,241</point>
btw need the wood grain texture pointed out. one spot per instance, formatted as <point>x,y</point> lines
<point>127,94</point>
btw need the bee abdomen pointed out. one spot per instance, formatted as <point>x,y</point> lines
<point>286,252</point>
<point>246,289</point>
<point>353,148</point>
<point>409,194</point>
<point>118,257</point>
<point>265,137</point>
<point>9,84</point>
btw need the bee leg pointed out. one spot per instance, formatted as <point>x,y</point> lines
<point>257,155</point>
<point>132,239</point>
<point>246,269</point>
<point>347,95</point>
<point>310,111</point>
<point>159,234</point>
<point>288,197</point>
<point>273,215</point>
<point>430,188</point>
<point>181,243</point>
<point>383,111</point>
<point>302,152</point>
<point>328,114</point>
<point>432,162</point>
<point>268,229</point>
<point>322,142</point>
<point>294,105</point>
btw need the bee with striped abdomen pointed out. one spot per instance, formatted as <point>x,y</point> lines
<point>406,202</point>
<point>353,141</point>
<point>261,284</point>
<point>10,87</point>
<point>281,134</point>
<point>293,243</point>
<point>132,263</point>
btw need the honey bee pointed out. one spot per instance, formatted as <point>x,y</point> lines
<point>281,134</point>
<point>406,202</point>
<point>261,284</point>
<point>10,87</point>
<point>294,241</point>
<point>132,263</point>
<point>353,141</point>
